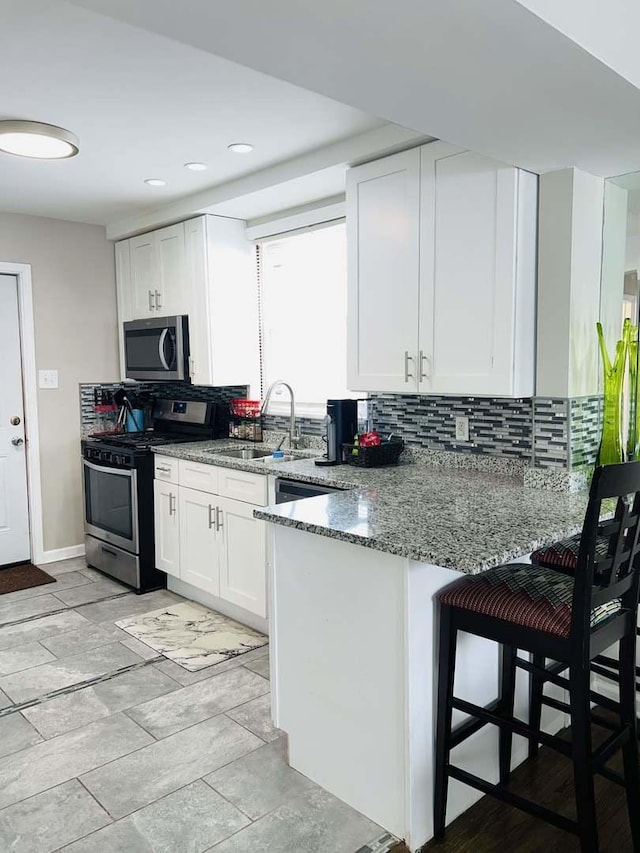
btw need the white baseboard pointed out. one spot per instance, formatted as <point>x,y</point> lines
<point>62,554</point>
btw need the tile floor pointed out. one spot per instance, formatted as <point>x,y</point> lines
<point>106,746</point>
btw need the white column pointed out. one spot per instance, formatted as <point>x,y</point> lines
<point>569,272</point>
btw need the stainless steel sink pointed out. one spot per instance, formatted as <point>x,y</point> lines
<point>248,453</point>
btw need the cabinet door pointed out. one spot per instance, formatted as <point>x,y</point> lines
<point>468,274</point>
<point>200,337</point>
<point>171,293</point>
<point>144,277</point>
<point>383,213</point>
<point>199,546</point>
<point>165,513</point>
<point>232,293</point>
<point>243,555</point>
<point>123,294</point>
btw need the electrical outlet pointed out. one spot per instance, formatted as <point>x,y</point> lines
<point>462,428</point>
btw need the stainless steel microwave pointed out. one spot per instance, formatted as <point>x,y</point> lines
<point>157,348</point>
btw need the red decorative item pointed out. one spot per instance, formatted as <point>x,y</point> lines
<point>370,439</point>
<point>245,408</point>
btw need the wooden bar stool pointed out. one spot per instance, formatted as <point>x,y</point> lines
<point>563,557</point>
<point>569,620</point>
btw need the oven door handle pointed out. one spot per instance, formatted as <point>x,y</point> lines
<point>161,342</point>
<point>122,473</point>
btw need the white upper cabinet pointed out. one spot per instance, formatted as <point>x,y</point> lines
<point>205,268</point>
<point>144,275</point>
<point>222,275</point>
<point>158,277</point>
<point>383,243</point>
<point>472,306</point>
<point>171,295</point>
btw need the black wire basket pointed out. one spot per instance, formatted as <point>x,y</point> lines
<point>373,456</point>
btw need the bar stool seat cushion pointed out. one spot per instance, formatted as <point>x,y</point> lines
<point>531,596</point>
<point>563,554</point>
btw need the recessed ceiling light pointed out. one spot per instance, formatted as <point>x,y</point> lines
<point>155,182</point>
<point>240,147</point>
<point>37,140</point>
<point>196,167</point>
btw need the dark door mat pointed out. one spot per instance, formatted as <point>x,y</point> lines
<point>22,577</point>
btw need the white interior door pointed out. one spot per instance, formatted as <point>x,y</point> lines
<point>14,512</point>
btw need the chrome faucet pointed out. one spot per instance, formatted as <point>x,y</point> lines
<point>294,435</point>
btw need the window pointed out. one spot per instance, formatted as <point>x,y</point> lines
<point>303,296</point>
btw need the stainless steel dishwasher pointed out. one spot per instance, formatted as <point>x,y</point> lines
<point>295,490</point>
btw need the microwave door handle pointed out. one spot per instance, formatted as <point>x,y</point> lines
<point>163,338</point>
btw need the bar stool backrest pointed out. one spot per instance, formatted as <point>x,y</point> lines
<point>604,576</point>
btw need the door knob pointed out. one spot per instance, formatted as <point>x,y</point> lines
<point>17,441</point>
<point>15,420</point>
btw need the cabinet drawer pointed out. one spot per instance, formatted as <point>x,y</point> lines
<point>199,475</point>
<point>242,486</point>
<point>166,468</point>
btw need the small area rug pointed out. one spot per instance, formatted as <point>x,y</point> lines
<point>23,576</point>
<point>193,636</point>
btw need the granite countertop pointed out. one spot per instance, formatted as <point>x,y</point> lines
<point>460,519</point>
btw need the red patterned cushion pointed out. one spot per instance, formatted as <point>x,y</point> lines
<point>563,555</point>
<point>532,596</point>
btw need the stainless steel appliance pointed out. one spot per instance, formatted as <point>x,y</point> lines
<point>118,489</point>
<point>157,348</point>
<point>342,426</point>
<point>295,490</point>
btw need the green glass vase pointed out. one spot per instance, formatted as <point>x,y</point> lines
<point>611,443</point>
<point>633,438</point>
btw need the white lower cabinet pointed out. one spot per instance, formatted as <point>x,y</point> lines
<point>212,541</point>
<point>199,543</point>
<point>167,533</point>
<point>243,547</point>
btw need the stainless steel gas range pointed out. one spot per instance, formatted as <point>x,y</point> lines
<point>118,489</point>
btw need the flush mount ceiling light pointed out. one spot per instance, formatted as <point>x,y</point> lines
<point>37,140</point>
<point>155,182</point>
<point>240,147</point>
<point>196,167</point>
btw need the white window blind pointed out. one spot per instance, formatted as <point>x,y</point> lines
<point>303,294</point>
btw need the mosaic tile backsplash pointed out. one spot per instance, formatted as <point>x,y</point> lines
<point>92,421</point>
<point>586,427</point>
<point>496,426</point>
<point>548,433</point>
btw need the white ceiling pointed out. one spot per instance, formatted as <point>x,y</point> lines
<point>492,76</point>
<point>142,105</point>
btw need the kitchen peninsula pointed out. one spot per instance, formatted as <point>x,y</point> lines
<point>352,622</point>
<point>354,630</point>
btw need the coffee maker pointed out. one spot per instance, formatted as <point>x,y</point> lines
<point>342,425</point>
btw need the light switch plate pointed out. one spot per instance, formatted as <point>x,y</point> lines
<point>48,379</point>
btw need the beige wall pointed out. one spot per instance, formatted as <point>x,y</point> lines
<point>74,300</point>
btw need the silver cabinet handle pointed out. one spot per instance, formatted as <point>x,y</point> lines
<point>172,503</point>
<point>151,306</point>
<point>17,442</point>
<point>424,374</point>
<point>158,303</point>
<point>407,373</point>
<point>219,523</point>
<point>164,469</point>
<point>212,521</point>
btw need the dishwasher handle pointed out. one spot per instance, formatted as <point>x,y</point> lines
<point>295,490</point>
